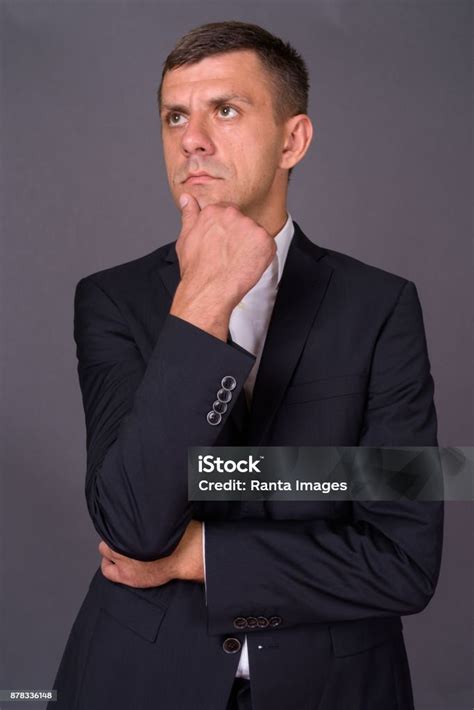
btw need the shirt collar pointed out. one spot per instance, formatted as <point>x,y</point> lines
<point>283,241</point>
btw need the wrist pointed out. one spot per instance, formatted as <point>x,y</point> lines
<point>175,567</point>
<point>208,308</point>
<point>186,562</point>
<point>216,296</point>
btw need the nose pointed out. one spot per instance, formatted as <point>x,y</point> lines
<point>196,138</point>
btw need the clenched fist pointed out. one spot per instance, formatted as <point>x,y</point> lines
<point>222,254</point>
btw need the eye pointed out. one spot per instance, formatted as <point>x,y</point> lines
<point>226,110</point>
<point>173,118</point>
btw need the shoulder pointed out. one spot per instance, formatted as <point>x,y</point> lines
<point>356,278</point>
<point>127,281</point>
<point>357,287</point>
<point>360,272</point>
<point>366,286</point>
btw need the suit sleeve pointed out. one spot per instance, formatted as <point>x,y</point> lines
<point>141,417</point>
<point>383,559</point>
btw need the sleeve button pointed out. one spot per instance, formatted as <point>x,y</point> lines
<point>214,418</point>
<point>219,407</point>
<point>275,620</point>
<point>228,382</point>
<point>240,622</point>
<point>224,395</point>
<point>252,622</point>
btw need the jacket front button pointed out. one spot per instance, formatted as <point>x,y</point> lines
<point>231,645</point>
<point>275,620</point>
<point>240,622</point>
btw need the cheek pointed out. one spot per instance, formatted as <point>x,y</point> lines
<point>260,170</point>
<point>259,157</point>
<point>246,161</point>
<point>170,153</point>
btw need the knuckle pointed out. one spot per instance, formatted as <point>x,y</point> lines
<point>246,225</point>
<point>231,211</point>
<point>260,233</point>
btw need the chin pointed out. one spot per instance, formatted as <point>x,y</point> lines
<point>205,195</point>
<point>206,198</point>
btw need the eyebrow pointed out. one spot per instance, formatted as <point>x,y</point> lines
<point>216,101</point>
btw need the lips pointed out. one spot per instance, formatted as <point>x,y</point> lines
<point>199,178</point>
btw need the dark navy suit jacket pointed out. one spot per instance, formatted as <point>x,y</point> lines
<point>345,363</point>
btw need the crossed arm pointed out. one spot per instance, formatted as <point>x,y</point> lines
<point>185,562</point>
<point>384,560</point>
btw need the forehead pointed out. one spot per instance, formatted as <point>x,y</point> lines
<point>239,72</point>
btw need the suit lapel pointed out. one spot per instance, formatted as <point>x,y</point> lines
<point>301,291</point>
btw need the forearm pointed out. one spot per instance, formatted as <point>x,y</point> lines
<point>140,421</point>
<point>323,571</point>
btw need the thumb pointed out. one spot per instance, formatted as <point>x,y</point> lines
<point>189,210</point>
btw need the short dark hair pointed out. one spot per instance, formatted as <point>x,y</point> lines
<point>286,68</point>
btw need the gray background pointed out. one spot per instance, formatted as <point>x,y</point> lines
<point>387,180</point>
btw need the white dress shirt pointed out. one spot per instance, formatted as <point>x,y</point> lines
<point>248,327</point>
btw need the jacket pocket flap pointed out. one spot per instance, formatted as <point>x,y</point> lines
<point>349,637</point>
<point>131,610</point>
<point>327,387</point>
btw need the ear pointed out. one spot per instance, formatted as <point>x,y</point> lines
<point>298,136</point>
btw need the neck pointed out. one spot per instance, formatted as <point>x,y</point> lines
<point>272,220</point>
<point>272,214</point>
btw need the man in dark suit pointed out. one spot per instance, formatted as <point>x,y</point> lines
<point>243,331</point>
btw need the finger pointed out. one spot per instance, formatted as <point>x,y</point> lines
<point>189,211</point>
<point>103,548</point>
<point>107,551</point>
<point>110,570</point>
<point>225,203</point>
